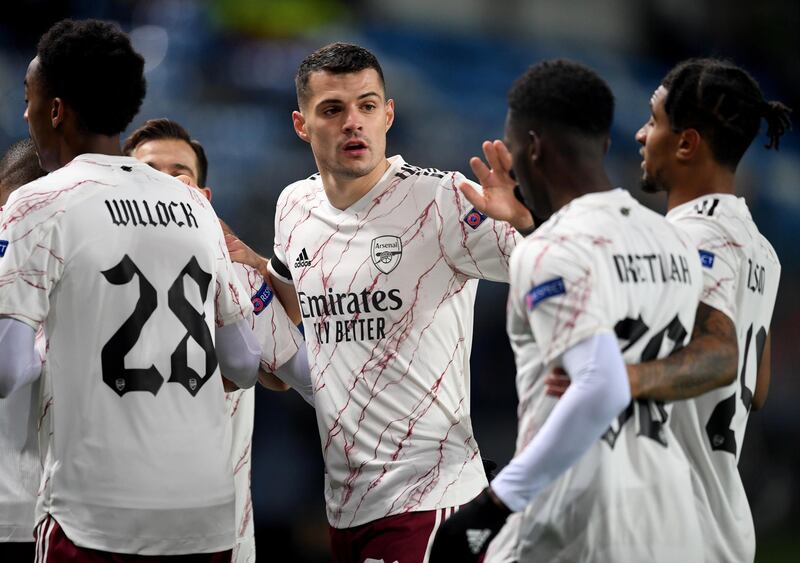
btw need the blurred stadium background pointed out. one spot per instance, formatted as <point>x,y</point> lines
<point>224,69</point>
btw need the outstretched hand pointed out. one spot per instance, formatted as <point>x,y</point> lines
<point>497,200</point>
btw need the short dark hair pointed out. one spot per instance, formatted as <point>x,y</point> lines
<point>724,104</point>
<point>91,65</point>
<point>163,128</point>
<point>563,94</point>
<point>336,58</point>
<point>19,166</point>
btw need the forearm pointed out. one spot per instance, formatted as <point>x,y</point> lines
<point>19,362</point>
<point>598,393</point>
<point>297,374</point>
<point>709,361</point>
<point>238,354</point>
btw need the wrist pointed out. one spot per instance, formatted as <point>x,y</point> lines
<point>496,500</point>
<point>633,380</point>
<point>524,223</point>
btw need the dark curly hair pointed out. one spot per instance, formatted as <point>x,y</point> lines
<point>724,104</point>
<point>92,66</point>
<point>565,95</point>
<point>336,58</point>
<point>163,128</point>
<point>19,165</point>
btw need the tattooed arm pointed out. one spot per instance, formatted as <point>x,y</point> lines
<point>762,379</point>
<point>708,361</point>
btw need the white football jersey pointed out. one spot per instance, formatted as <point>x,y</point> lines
<point>605,263</point>
<point>386,289</point>
<point>741,273</point>
<point>280,340</point>
<point>128,270</point>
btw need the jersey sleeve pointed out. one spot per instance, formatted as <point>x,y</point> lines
<point>560,295</point>
<point>472,243</point>
<point>278,264</point>
<point>231,302</point>
<point>278,337</point>
<point>719,256</point>
<point>31,254</point>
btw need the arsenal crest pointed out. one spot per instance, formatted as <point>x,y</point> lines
<point>386,252</point>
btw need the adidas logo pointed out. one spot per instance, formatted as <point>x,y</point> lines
<point>302,260</point>
<point>476,539</point>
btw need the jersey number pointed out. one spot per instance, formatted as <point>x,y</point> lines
<point>718,428</point>
<point>112,357</point>
<point>652,416</point>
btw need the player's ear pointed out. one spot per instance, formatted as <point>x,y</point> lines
<point>688,144</point>
<point>56,112</point>
<point>534,146</point>
<point>389,114</point>
<point>206,192</point>
<point>299,122</point>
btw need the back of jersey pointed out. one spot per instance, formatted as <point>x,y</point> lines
<point>741,273</point>
<point>128,270</point>
<point>605,263</point>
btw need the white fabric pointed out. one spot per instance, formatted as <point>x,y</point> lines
<point>386,289</point>
<point>21,415</point>
<point>598,392</point>
<point>19,362</point>
<point>297,375</point>
<point>629,497</point>
<point>741,281</point>
<point>238,353</point>
<point>126,471</point>
<point>279,340</point>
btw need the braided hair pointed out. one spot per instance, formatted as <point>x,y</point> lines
<point>724,104</point>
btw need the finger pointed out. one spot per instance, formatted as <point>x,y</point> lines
<point>503,155</point>
<point>186,180</point>
<point>480,170</point>
<point>491,157</point>
<point>476,198</point>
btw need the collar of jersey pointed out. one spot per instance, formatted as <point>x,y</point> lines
<point>689,205</point>
<point>104,159</point>
<point>395,162</point>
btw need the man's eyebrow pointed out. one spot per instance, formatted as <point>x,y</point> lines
<point>338,101</point>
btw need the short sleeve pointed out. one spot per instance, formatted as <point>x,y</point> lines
<point>561,296</point>
<point>278,337</point>
<point>473,244</point>
<point>31,255</point>
<point>278,264</point>
<point>231,300</point>
<point>719,256</point>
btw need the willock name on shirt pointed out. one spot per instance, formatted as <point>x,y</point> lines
<point>129,212</point>
<point>651,268</point>
<point>333,303</point>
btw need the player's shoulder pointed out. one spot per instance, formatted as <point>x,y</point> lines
<point>302,187</point>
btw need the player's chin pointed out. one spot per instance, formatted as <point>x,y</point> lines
<point>649,185</point>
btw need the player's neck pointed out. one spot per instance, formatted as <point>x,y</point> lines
<point>91,144</point>
<point>586,178</point>
<point>712,179</point>
<point>344,191</point>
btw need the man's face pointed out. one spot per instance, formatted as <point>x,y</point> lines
<point>345,119</point>
<point>659,145</point>
<point>171,156</point>
<point>38,114</point>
